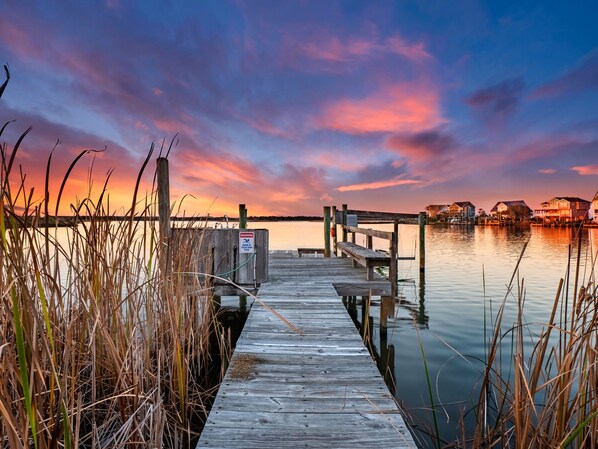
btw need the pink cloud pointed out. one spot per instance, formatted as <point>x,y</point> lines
<point>19,40</point>
<point>586,170</point>
<point>35,150</point>
<point>175,126</point>
<point>547,171</point>
<point>378,184</point>
<point>140,125</point>
<point>335,49</point>
<point>265,126</point>
<point>340,160</point>
<point>415,52</point>
<point>543,147</point>
<point>401,107</point>
<point>216,169</point>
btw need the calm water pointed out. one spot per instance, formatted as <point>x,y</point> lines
<point>453,303</point>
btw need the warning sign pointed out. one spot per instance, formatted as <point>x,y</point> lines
<point>246,242</point>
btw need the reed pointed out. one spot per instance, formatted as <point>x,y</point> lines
<point>546,397</point>
<point>98,347</point>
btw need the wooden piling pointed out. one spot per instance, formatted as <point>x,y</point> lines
<point>334,238</point>
<point>344,222</point>
<point>393,269</point>
<point>163,216</point>
<point>365,319</point>
<point>386,305</point>
<point>326,231</point>
<point>422,241</point>
<point>242,216</point>
<point>421,315</point>
<point>163,199</point>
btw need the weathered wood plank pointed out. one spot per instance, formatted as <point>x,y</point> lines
<point>316,389</point>
<point>362,253</point>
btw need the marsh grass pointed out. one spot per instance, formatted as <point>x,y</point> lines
<point>546,397</point>
<point>99,348</point>
<point>538,382</point>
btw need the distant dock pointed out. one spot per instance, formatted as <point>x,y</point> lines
<point>310,382</point>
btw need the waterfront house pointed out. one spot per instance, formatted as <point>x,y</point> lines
<point>593,212</point>
<point>435,211</point>
<point>516,210</point>
<point>563,209</point>
<point>462,211</point>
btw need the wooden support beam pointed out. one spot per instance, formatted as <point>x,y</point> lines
<point>422,241</point>
<point>381,217</point>
<point>393,269</point>
<point>163,199</point>
<point>326,231</point>
<point>334,238</point>
<point>344,223</point>
<point>242,216</point>
<point>386,309</point>
<point>163,216</point>
<point>366,231</point>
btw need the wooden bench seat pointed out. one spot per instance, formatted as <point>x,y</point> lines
<point>364,256</point>
<point>310,251</point>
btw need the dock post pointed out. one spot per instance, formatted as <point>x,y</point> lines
<point>326,231</point>
<point>393,269</point>
<point>242,216</point>
<point>163,211</point>
<point>344,222</point>
<point>422,241</point>
<point>334,240</point>
<point>421,313</point>
<point>365,318</point>
<point>386,305</point>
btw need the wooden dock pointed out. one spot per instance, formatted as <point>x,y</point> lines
<point>313,389</point>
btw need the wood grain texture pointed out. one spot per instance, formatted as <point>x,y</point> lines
<point>316,389</point>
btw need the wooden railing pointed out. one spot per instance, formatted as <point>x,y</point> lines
<point>330,222</point>
<point>393,239</point>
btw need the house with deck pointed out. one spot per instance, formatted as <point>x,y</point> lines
<point>563,209</point>
<point>462,211</point>
<point>435,211</point>
<point>593,213</point>
<point>513,210</point>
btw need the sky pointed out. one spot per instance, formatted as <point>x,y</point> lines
<point>288,106</point>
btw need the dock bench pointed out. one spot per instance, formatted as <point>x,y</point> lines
<point>364,256</point>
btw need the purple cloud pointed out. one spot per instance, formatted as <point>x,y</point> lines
<point>421,146</point>
<point>582,78</point>
<point>499,98</point>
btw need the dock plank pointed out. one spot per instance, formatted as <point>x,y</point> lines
<point>318,388</point>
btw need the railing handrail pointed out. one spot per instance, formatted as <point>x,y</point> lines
<point>368,231</point>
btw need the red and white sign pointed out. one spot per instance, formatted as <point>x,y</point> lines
<point>246,242</point>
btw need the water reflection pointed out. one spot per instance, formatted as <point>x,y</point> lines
<point>445,308</point>
<point>232,312</point>
<point>422,319</point>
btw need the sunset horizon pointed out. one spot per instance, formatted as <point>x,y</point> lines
<point>289,107</point>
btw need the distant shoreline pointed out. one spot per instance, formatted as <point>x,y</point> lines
<point>68,220</point>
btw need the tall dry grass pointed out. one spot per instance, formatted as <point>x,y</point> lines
<point>99,348</point>
<point>546,397</point>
